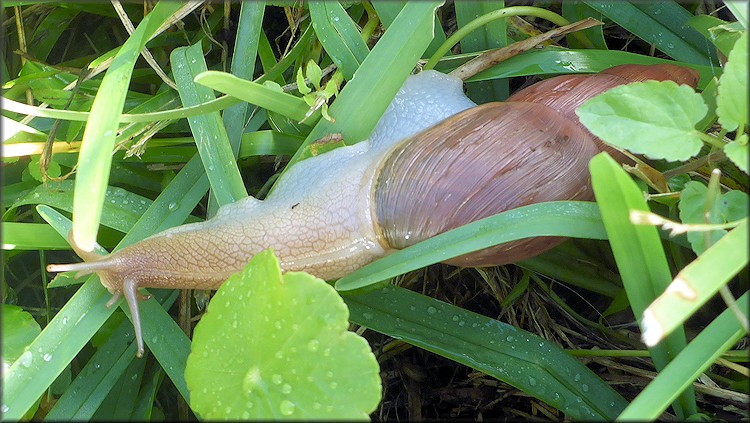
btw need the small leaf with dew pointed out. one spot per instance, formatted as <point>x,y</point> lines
<point>282,343</point>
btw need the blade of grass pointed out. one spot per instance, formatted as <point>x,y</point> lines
<point>557,218</point>
<point>121,210</point>
<point>514,356</point>
<point>81,400</point>
<point>99,137</point>
<point>720,335</point>
<point>675,17</point>
<point>85,312</point>
<point>243,65</point>
<point>670,40</point>
<point>639,256</point>
<point>739,10</point>
<point>208,130</point>
<point>490,36</point>
<point>553,61</point>
<point>32,236</point>
<point>339,36</point>
<point>254,93</point>
<point>697,283</point>
<point>576,10</point>
<point>388,11</point>
<point>364,99</point>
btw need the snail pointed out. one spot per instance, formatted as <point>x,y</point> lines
<point>435,161</point>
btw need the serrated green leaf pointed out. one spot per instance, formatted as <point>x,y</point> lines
<point>738,153</point>
<point>730,206</point>
<point>282,343</point>
<point>732,102</point>
<point>656,119</point>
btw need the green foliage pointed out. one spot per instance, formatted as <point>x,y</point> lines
<point>282,342</point>
<point>731,103</point>
<point>656,119</point>
<point>728,207</point>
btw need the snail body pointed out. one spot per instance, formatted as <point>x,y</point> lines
<point>434,162</point>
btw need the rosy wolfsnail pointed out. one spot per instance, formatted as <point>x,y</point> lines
<point>434,162</point>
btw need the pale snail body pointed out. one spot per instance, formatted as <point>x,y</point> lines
<point>434,162</point>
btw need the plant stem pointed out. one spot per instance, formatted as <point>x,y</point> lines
<point>710,140</point>
<point>489,17</point>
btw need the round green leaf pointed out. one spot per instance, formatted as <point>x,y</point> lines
<point>728,207</point>
<point>656,119</point>
<point>731,104</point>
<point>738,153</point>
<point>19,329</point>
<point>273,347</point>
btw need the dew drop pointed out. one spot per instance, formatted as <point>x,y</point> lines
<point>431,310</point>
<point>585,387</point>
<point>277,379</point>
<point>510,338</point>
<point>313,345</point>
<point>47,357</point>
<point>286,407</point>
<point>333,385</point>
<point>286,388</point>
<point>172,205</point>
<point>26,359</point>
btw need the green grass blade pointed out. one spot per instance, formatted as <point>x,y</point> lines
<point>720,335</point>
<point>576,10</point>
<point>554,61</point>
<point>363,100</point>
<point>697,283</point>
<point>101,372</point>
<point>31,236</point>
<point>121,208</point>
<point>243,66</point>
<point>208,130</point>
<point>490,36</point>
<point>269,143</point>
<point>739,10</point>
<point>639,256</point>
<point>668,39</point>
<point>514,356</point>
<point>388,11</point>
<point>255,93</point>
<point>85,312</point>
<point>339,36</point>
<point>99,137</point>
<point>557,218</point>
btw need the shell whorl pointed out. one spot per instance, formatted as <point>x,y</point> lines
<point>478,163</point>
<point>565,93</point>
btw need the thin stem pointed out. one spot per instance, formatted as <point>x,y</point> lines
<point>710,140</point>
<point>372,21</point>
<point>489,17</point>
<point>731,303</point>
<point>716,157</point>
